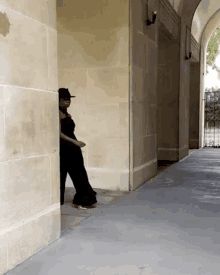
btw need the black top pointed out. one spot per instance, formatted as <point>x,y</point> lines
<point>67,126</point>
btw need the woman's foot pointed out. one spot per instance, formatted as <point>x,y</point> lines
<point>80,207</point>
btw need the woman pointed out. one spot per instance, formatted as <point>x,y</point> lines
<point>71,158</point>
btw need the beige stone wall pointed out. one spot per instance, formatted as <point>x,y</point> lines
<point>29,141</point>
<point>168,98</point>
<point>143,146</point>
<point>173,114</point>
<point>93,62</point>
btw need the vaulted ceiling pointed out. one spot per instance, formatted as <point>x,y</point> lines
<point>203,15</point>
<point>198,13</point>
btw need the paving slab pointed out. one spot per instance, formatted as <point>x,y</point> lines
<point>169,226</point>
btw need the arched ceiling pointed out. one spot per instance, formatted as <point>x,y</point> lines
<point>196,13</point>
<point>185,8</point>
<point>212,24</point>
<point>204,12</point>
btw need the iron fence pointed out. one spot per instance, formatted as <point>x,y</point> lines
<point>212,119</point>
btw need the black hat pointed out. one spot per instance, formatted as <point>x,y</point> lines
<point>64,93</point>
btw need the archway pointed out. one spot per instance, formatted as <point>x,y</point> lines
<point>203,25</point>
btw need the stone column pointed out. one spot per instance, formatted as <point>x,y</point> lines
<point>183,95</point>
<point>202,91</point>
<point>29,136</point>
<point>168,84</point>
<point>168,98</point>
<point>143,95</point>
<point>194,98</point>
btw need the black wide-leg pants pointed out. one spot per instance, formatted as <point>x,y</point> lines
<point>71,162</point>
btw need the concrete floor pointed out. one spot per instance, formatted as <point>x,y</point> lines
<point>169,226</point>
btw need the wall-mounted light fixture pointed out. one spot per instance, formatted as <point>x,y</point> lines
<point>188,44</point>
<point>151,17</point>
<point>190,56</point>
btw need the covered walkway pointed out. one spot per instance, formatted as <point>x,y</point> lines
<point>169,226</point>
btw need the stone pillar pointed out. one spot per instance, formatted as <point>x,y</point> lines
<point>168,84</point>
<point>194,98</point>
<point>143,96</point>
<point>183,95</point>
<point>168,98</point>
<point>93,62</point>
<point>29,136</point>
<point>202,92</point>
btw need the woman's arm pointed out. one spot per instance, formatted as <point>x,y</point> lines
<point>65,137</point>
<point>68,138</point>
<point>76,142</point>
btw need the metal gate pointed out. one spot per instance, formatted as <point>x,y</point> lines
<point>212,119</point>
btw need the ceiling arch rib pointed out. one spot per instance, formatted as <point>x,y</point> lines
<point>210,27</point>
<point>206,9</point>
<point>185,8</point>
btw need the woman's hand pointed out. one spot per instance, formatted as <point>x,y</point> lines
<point>80,143</point>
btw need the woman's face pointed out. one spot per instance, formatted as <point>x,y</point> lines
<point>65,102</point>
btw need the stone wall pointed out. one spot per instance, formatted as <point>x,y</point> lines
<point>29,141</point>
<point>168,84</point>
<point>168,99</point>
<point>93,62</point>
<point>143,81</point>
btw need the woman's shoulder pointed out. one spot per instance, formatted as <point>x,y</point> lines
<point>62,115</point>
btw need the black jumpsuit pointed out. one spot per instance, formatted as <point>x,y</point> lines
<point>71,161</point>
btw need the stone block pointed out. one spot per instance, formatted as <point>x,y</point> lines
<point>109,153</point>
<point>150,92</point>
<point>52,60</point>
<point>39,10</point>
<point>55,178</point>
<point>144,150</point>
<point>3,253</point>
<point>32,120</point>
<point>76,81</point>
<point>24,51</point>
<point>168,154</point>
<point>97,48</point>
<point>46,229</point>
<point>113,179</point>
<point>98,121</point>
<point>139,120</point>
<point>54,226</point>
<point>123,120</point>
<point>93,35</point>
<point>25,189</point>
<point>142,173</point>
<point>20,244</point>
<point>2,130</point>
<point>108,86</point>
<point>138,84</point>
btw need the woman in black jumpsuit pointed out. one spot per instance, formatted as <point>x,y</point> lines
<point>71,158</point>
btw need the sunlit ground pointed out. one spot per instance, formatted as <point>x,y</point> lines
<point>212,137</point>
